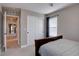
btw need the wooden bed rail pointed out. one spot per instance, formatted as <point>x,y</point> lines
<point>40,42</point>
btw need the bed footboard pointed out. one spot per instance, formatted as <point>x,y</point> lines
<point>40,42</point>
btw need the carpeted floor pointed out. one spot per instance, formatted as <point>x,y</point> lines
<point>28,51</point>
<point>0,52</point>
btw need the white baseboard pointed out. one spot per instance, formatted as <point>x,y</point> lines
<point>23,46</point>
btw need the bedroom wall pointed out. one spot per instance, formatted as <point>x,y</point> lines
<point>0,28</point>
<point>23,23</point>
<point>68,22</point>
<point>0,34</point>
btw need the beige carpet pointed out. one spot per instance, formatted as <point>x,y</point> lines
<point>0,52</point>
<point>28,51</point>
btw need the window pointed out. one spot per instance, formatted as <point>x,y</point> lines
<point>53,26</point>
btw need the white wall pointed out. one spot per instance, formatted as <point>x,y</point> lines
<point>0,21</point>
<point>23,23</point>
<point>68,22</point>
<point>0,8</point>
<point>0,29</point>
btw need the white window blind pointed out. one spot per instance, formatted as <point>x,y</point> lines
<point>53,26</point>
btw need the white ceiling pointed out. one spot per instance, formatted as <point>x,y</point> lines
<point>42,8</point>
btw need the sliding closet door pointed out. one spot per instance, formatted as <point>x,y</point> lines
<point>34,29</point>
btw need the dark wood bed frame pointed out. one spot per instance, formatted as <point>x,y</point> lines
<point>40,42</point>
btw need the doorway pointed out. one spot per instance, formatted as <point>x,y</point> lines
<point>11,31</point>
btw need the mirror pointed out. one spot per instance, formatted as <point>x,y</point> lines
<point>12,29</point>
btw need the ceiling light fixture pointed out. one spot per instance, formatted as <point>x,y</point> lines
<point>51,4</point>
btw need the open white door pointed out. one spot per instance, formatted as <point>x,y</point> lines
<point>4,30</point>
<point>34,29</point>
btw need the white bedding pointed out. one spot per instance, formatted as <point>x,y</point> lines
<point>62,47</point>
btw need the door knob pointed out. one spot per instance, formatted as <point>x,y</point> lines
<point>27,32</point>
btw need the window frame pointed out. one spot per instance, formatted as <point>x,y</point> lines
<point>47,24</point>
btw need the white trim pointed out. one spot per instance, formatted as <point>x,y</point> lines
<point>13,15</point>
<point>23,46</point>
<point>4,22</point>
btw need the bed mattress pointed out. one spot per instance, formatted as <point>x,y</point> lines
<point>62,47</point>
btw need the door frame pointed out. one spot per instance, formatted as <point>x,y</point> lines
<point>18,25</point>
<point>4,27</point>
